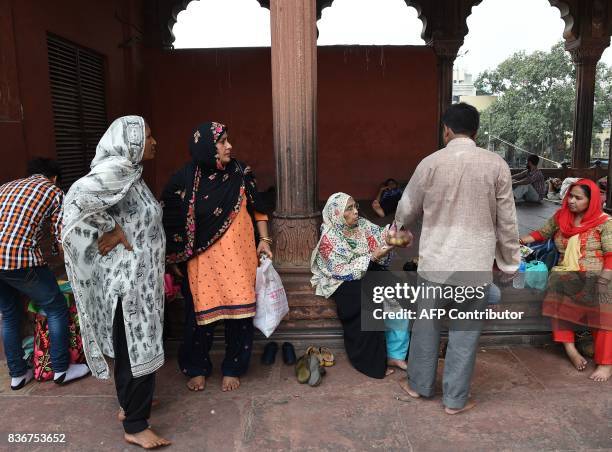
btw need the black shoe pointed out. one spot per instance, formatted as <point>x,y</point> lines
<point>269,354</point>
<point>288,353</point>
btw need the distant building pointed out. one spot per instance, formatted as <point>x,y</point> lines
<point>600,143</point>
<point>463,84</point>
<point>480,102</point>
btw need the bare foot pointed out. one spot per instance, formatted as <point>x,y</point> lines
<point>230,384</point>
<point>121,413</point>
<point>197,383</point>
<point>399,363</point>
<point>602,373</point>
<point>579,361</point>
<point>389,372</point>
<point>147,439</point>
<point>468,406</point>
<point>408,390</point>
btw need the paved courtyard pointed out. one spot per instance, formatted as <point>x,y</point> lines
<point>528,399</point>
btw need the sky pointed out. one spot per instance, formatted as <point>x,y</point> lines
<point>498,28</point>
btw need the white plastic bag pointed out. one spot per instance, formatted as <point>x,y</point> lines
<point>272,303</point>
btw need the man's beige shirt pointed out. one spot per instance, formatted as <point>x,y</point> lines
<point>463,195</point>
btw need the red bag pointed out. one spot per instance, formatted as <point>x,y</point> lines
<point>43,370</point>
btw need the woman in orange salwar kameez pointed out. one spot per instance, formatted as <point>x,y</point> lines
<point>210,206</point>
<point>578,288</point>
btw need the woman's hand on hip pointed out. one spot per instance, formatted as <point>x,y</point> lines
<point>109,240</point>
<point>264,248</point>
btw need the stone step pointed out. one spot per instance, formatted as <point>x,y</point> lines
<point>312,317</point>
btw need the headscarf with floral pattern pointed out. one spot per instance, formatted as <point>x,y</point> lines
<point>203,198</point>
<point>343,252</point>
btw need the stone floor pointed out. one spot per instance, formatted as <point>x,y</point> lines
<point>528,399</point>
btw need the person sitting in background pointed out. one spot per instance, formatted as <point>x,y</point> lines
<point>554,187</point>
<point>565,185</point>
<point>387,198</point>
<point>602,183</point>
<point>529,185</point>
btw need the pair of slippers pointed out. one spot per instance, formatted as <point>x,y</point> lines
<point>269,354</point>
<point>310,368</point>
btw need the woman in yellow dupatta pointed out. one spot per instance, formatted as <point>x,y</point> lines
<point>578,288</point>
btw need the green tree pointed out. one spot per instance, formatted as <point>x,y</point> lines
<point>535,93</point>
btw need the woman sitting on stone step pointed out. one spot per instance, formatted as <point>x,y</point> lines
<point>578,290</point>
<point>349,247</point>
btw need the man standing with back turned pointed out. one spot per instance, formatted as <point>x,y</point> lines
<point>464,196</point>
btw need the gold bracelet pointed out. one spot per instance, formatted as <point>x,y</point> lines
<point>266,239</point>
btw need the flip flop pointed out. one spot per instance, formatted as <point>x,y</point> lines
<point>327,357</point>
<point>315,371</point>
<point>314,351</point>
<point>302,369</point>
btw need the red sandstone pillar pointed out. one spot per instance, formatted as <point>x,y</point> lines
<point>585,58</point>
<point>446,51</point>
<point>294,105</point>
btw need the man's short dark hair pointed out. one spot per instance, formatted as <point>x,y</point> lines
<point>534,159</point>
<point>462,118</point>
<point>47,167</point>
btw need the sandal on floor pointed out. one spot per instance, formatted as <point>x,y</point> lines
<point>302,369</point>
<point>327,357</point>
<point>314,351</point>
<point>315,371</point>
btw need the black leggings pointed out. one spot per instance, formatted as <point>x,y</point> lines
<point>135,394</point>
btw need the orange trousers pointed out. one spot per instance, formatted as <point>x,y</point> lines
<point>563,332</point>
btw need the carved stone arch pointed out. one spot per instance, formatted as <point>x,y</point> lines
<point>568,10</point>
<point>321,5</point>
<point>177,6</point>
<point>422,15</point>
<point>167,34</point>
<point>443,19</point>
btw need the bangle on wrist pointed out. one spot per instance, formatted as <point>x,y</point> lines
<point>265,239</point>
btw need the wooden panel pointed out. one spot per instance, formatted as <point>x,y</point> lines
<point>78,87</point>
<point>10,104</point>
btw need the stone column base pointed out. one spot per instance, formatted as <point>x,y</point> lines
<point>295,236</point>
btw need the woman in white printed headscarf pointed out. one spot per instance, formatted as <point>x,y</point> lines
<point>350,246</point>
<point>114,247</point>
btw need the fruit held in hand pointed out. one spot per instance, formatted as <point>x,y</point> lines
<point>398,241</point>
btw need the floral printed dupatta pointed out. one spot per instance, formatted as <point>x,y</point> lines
<point>343,252</point>
<point>203,198</point>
